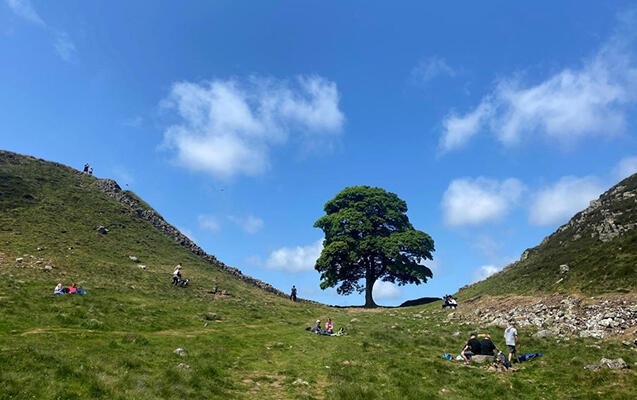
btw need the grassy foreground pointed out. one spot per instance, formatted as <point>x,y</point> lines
<point>119,341</point>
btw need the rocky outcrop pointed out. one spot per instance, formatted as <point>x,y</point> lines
<point>112,189</point>
<point>555,316</point>
<point>611,215</point>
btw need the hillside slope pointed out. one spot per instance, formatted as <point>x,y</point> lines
<point>594,253</point>
<point>40,198</point>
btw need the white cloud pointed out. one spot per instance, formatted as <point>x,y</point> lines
<point>209,223</point>
<point>228,128</point>
<point>459,129</point>
<point>432,68</point>
<point>558,203</point>
<point>571,104</point>
<point>485,271</point>
<point>24,9</point>
<point>295,259</point>
<point>474,202</point>
<point>385,290</point>
<point>626,167</point>
<point>249,224</point>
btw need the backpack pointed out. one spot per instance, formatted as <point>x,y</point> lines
<point>502,359</point>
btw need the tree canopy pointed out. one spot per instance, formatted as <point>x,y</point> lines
<point>368,237</point>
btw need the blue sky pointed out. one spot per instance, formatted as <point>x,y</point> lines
<point>237,120</point>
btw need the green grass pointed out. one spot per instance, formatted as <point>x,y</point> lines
<point>118,342</point>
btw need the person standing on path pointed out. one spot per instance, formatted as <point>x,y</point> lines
<point>511,339</point>
<point>293,293</point>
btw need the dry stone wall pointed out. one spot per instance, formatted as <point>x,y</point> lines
<point>112,189</point>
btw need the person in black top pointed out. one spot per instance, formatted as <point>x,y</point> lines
<point>486,346</point>
<point>472,347</point>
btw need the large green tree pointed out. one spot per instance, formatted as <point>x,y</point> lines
<point>369,237</point>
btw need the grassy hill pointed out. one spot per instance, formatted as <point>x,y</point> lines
<point>594,253</point>
<point>119,341</point>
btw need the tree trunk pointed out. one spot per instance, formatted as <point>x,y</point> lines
<point>369,285</point>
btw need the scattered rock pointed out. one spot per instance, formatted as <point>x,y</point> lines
<point>545,333</point>
<point>355,320</point>
<point>211,316</point>
<point>180,352</point>
<point>300,382</point>
<point>142,266</point>
<point>183,366</point>
<point>19,260</point>
<point>102,230</point>
<point>611,364</point>
<point>48,268</point>
<point>564,268</point>
<point>133,259</point>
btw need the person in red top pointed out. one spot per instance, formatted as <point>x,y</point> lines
<point>73,288</point>
<point>329,326</point>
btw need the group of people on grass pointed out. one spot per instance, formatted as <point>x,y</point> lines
<point>486,347</point>
<point>73,289</point>
<point>450,302</point>
<point>329,328</point>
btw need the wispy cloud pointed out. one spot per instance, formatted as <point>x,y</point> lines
<point>559,202</point>
<point>431,68</point>
<point>458,130</point>
<point>228,127</point>
<point>295,259</point>
<point>64,46</point>
<point>626,167</point>
<point>485,271</point>
<point>587,101</point>
<point>250,224</point>
<point>474,202</point>
<point>385,290</point>
<point>134,122</point>
<point>24,9</point>
<point>209,223</point>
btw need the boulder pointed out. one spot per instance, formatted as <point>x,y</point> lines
<point>480,359</point>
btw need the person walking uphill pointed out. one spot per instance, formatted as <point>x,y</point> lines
<point>293,293</point>
<point>177,275</point>
<point>511,339</point>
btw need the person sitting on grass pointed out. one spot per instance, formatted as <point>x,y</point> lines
<point>472,347</point>
<point>329,326</point>
<point>73,288</point>
<point>317,327</point>
<point>486,346</point>
<point>58,289</point>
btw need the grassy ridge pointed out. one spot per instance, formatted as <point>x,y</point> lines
<point>595,267</point>
<point>118,342</point>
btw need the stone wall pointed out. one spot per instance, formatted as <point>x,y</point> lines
<point>112,189</point>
